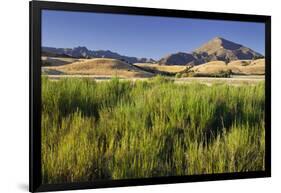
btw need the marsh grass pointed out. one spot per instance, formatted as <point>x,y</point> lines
<point>121,129</point>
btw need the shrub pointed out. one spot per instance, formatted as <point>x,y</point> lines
<point>178,75</point>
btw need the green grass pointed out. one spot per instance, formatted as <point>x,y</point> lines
<point>121,129</point>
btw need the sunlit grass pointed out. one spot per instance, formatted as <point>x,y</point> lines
<point>122,129</point>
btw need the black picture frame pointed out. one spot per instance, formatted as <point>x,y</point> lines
<point>36,7</point>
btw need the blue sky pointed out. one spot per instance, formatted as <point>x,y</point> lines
<point>143,36</point>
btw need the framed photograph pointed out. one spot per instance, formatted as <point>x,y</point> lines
<point>125,96</point>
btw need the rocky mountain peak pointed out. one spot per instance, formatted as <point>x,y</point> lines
<point>216,44</point>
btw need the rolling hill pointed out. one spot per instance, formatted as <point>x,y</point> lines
<point>237,67</point>
<point>161,69</point>
<point>100,67</point>
<point>58,61</point>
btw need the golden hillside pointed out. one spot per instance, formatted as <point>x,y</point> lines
<point>58,61</point>
<point>101,67</point>
<point>243,67</point>
<point>248,67</point>
<point>162,68</point>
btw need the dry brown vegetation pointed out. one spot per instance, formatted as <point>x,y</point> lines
<point>58,61</point>
<point>112,67</point>
<point>101,67</point>
<point>210,67</point>
<point>163,68</point>
<point>248,67</point>
<point>243,67</point>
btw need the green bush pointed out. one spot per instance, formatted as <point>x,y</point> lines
<point>178,75</point>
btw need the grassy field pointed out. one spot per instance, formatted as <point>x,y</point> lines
<point>122,129</point>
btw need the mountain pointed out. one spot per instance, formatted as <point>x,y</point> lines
<point>83,52</point>
<point>216,49</point>
<point>179,58</point>
<point>225,50</point>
